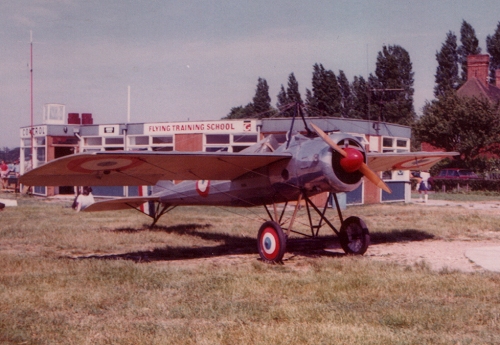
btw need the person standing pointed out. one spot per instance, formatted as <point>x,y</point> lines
<point>84,199</point>
<point>424,185</point>
<point>4,173</point>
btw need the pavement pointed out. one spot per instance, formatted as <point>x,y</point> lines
<point>476,205</point>
<point>486,257</point>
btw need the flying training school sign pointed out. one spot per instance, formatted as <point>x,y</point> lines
<point>201,127</point>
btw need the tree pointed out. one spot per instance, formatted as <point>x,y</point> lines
<point>261,106</point>
<point>287,99</point>
<point>360,98</point>
<point>493,48</point>
<point>283,102</point>
<point>262,100</point>
<point>447,69</point>
<point>392,86</point>
<point>292,91</point>
<point>325,97</point>
<point>241,112</point>
<point>345,92</point>
<point>469,46</point>
<point>470,126</point>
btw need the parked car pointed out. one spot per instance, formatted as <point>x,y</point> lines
<point>456,173</point>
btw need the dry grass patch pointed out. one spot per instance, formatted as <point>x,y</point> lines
<point>105,278</point>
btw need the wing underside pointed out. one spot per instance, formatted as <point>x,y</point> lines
<point>120,204</point>
<point>406,160</point>
<point>127,168</point>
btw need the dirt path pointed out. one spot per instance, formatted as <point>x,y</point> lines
<point>437,255</point>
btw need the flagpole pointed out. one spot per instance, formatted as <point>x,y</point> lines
<point>31,99</point>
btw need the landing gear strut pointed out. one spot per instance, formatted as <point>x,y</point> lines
<point>271,241</point>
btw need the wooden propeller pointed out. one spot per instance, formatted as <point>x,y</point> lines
<point>364,169</point>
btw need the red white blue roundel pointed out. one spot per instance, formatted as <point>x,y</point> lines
<point>270,243</point>
<point>203,187</point>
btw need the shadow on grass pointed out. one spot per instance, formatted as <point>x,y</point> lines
<point>240,245</point>
<point>394,236</point>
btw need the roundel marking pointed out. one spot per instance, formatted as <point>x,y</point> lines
<point>203,187</point>
<point>90,164</point>
<point>270,243</point>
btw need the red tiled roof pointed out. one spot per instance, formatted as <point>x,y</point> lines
<point>474,88</point>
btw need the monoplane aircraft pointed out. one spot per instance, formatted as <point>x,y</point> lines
<point>263,174</point>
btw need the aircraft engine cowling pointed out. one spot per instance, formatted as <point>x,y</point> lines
<point>342,173</point>
<point>317,168</point>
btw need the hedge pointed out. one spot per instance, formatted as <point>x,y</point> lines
<point>443,185</point>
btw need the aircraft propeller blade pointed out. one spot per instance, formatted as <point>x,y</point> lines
<point>364,169</point>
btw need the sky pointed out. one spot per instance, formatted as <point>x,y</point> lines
<point>190,60</point>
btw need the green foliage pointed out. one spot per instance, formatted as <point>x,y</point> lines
<point>289,98</point>
<point>345,92</point>
<point>262,100</point>
<point>449,185</point>
<point>9,155</point>
<point>325,98</point>
<point>470,126</point>
<point>493,48</point>
<point>360,93</point>
<point>469,46</point>
<point>241,112</point>
<point>260,107</point>
<point>447,69</point>
<point>392,86</point>
<point>387,95</point>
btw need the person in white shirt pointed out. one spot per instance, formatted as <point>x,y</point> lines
<point>83,200</point>
<point>424,185</point>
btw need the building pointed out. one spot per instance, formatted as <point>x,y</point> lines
<point>477,84</point>
<point>53,140</point>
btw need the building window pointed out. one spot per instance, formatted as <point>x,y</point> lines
<point>93,141</point>
<point>217,138</point>
<point>245,138</point>
<point>228,142</point>
<point>402,143</point>
<point>163,140</point>
<point>139,140</point>
<point>387,142</point>
<point>114,141</point>
<point>163,143</point>
<point>395,145</point>
<point>40,155</point>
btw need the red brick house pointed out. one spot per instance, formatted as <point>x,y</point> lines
<point>477,84</point>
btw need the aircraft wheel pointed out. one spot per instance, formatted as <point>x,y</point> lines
<point>271,242</point>
<point>354,236</point>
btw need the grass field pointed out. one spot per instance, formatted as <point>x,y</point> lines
<point>106,278</point>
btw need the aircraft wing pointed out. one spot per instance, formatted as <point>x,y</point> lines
<point>129,168</point>
<point>406,160</point>
<point>120,204</point>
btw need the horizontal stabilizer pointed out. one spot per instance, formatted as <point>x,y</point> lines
<point>120,204</point>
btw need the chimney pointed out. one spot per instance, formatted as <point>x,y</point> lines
<point>87,119</point>
<point>497,78</point>
<point>477,67</point>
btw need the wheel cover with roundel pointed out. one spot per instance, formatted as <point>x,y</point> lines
<point>272,242</point>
